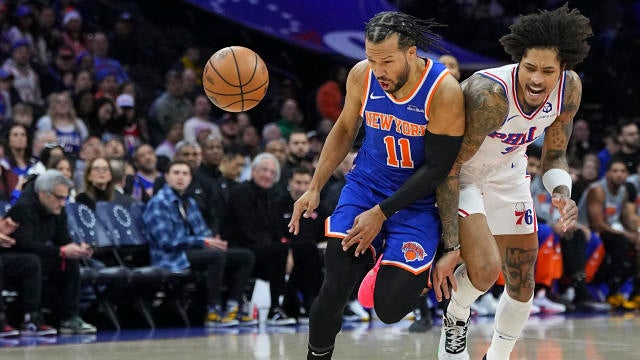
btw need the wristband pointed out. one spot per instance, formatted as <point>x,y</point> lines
<point>450,249</point>
<point>556,177</point>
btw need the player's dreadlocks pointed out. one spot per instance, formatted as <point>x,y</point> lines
<point>562,29</point>
<point>411,30</point>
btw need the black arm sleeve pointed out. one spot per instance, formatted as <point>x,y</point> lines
<point>440,151</point>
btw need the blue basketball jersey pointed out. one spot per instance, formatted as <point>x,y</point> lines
<point>393,146</point>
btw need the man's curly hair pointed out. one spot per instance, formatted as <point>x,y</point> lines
<point>565,30</point>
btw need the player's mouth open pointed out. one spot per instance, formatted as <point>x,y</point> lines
<point>534,92</point>
<point>384,85</point>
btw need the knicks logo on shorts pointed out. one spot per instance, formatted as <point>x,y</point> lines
<point>413,251</point>
<point>523,215</point>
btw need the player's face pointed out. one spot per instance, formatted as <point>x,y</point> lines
<point>538,73</point>
<point>389,63</point>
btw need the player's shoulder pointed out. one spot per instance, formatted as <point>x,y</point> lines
<point>480,84</point>
<point>572,81</point>
<point>358,73</point>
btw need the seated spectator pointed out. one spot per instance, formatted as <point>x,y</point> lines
<point>304,264</point>
<point>134,129</point>
<point>212,152</point>
<point>65,166</point>
<point>101,60</point>
<point>167,148</point>
<point>114,148</point>
<point>169,108</point>
<point>92,147</point>
<point>17,162</point>
<point>58,75</point>
<point>252,211</point>
<point>290,117</point>
<point>181,240</point>
<point>103,120</point>
<point>50,150</point>
<point>145,161</point>
<point>23,271</point>
<point>201,119</point>
<point>62,118</point>
<point>26,79</point>
<point>231,167</point>
<point>605,208</point>
<point>43,231</point>
<point>588,174</point>
<point>98,185</point>
<point>119,182</point>
<point>270,131</point>
<point>10,96</point>
<point>72,34</point>
<point>229,128</point>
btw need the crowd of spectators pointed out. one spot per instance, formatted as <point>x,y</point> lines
<point>93,109</point>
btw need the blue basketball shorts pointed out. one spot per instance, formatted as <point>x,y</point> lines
<point>408,239</point>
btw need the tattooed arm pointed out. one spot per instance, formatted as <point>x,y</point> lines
<point>485,110</point>
<point>554,149</point>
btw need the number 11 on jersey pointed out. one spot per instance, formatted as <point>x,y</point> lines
<point>405,152</point>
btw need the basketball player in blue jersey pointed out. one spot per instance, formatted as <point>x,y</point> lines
<point>413,113</point>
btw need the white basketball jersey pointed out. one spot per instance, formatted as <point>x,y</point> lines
<point>519,129</point>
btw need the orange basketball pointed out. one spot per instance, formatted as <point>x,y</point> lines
<point>235,79</point>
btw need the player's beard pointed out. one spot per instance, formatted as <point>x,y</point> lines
<point>402,78</point>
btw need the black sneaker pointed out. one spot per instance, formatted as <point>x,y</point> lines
<point>453,338</point>
<point>76,326</point>
<point>423,322</point>
<point>34,326</point>
<point>277,317</point>
<point>6,330</point>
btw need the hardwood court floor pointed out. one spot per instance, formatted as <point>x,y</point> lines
<point>604,337</point>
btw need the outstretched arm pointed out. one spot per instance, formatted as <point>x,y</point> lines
<point>485,110</point>
<point>554,152</point>
<point>337,145</point>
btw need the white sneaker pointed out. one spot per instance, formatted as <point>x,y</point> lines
<point>453,339</point>
<point>546,305</point>
<point>357,309</point>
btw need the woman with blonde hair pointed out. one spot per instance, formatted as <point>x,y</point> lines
<point>61,117</point>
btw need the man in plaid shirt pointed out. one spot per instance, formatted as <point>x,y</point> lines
<point>180,240</point>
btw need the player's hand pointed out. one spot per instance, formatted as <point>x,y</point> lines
<point>568,210</point>
<point>304,206</point>
<point>365,228</point>
<point>443,275</point>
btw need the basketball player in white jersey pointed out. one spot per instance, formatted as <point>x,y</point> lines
<point>507,108</point>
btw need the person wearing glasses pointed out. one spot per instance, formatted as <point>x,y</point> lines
<point>43,231</point>
<point>98,184</point>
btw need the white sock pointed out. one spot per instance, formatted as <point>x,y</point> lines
<point>511,316</point>
<point>461,300</point>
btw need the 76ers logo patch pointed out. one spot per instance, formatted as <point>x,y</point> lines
<point>413,251</point>
<point>523,215</point>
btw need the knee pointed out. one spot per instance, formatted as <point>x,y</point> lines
<point>389,309</point>
<point>484,272</point>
